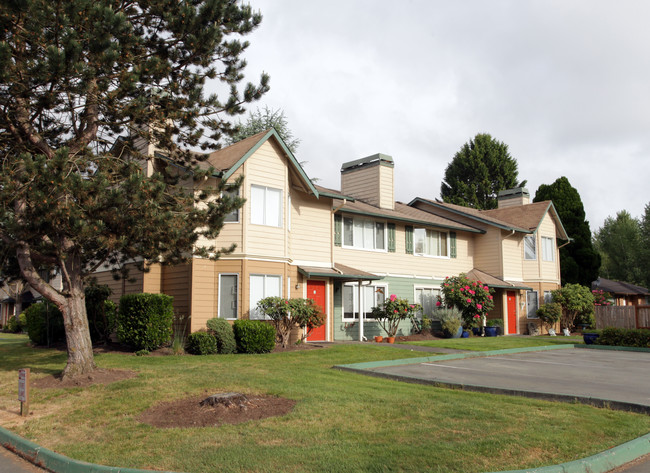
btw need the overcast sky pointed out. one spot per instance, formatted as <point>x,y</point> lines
<point>565,84</point>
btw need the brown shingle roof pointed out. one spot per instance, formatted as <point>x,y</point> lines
<point>404,212</point>
<point>618,287</point>
<point>526,216</point>
<point>225,158</point>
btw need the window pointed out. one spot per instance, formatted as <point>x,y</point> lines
<point>427,297</point>
<point>530,247</point>
<point>548,297</point>
<point>228,291</point>
<point>263,285</point>
<point>429,242</point>
<point>548,249</point>
<point>266,206</point>
<point>532,303</point>
<point>371,296</point>
<point>363,233</point>
<point>232,217</point>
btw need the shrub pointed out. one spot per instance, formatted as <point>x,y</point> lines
<point>451,320</point>
<point>144,321</point>
<point>285,314</point>
<point>473,298</point>
<point>223,333</point>
<point>44,323</point>
<point>202,343</point>
<point>577,304</point>
<point>12,325</point>
<point>550,314</point>
<point>494,323</point>
<point>624,337</point>
<point>253,336</point>
<point>102,313</point>
<point>392,312</point>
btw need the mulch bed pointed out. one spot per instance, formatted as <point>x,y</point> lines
<point>188,412</point>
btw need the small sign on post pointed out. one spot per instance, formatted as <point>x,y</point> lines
<point>23,391</point>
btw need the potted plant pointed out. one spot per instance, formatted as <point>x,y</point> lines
<point>451,321</point>
<point>391,312</point>
<point>493,327</point>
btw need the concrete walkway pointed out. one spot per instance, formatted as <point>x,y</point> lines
<point>12,463</point>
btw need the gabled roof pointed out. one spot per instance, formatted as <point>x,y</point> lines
<point>407,214</point>
<point>618,287</point>
<point>227,160</point>
<point>520,218</point>
<point>493,281</point>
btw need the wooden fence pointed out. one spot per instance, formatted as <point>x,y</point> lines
<point>629,316</point>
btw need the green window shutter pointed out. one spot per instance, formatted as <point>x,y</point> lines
<point>452,244</point>
<point>409,239</point>
<point>337,229</point>
<point>391,238</point>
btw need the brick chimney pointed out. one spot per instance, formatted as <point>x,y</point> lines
<point>370,179</point>
<point>513,197</point>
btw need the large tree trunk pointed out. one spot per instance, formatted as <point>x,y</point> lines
<point>77,334</point>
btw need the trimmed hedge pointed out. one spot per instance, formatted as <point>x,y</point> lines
<point>253,336</point>
<point>44,323</point>
<point>621,337</point>
<point>102,313</point>
<point>144,321</point>
<point>202,343</point>
<point>222,331</point>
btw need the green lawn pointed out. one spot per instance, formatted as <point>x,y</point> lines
<point>342,422</point>
<point>497,343</point>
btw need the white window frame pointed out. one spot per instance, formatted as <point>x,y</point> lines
<point>236,212</point>
<point>266,204</point>
<point>362,223</point>
<point>355,301</point>
<point>528,308</point>
<point>548,249</point>
<point>548,297</point>
<point>437,292</point>
<point>254,315</point>
<point>533,239</point>
<point>424,234</point>
<point>236,296</point>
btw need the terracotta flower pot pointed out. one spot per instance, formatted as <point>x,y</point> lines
<point>390,339</point>
<point>379,339</point>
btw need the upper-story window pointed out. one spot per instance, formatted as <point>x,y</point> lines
<point>548,249</point>
<point>364,233</point>
<point>430,242</point>
<point>266,206</point>
<point>232,217</point>
<point>530,247</point>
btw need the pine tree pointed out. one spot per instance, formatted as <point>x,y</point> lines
<point>619,242</point>
<point>81,83</point>
<point>477,173</point>
<point>579,261</point>
<point>262,120</point>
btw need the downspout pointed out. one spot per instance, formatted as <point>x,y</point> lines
<point>361,311</point>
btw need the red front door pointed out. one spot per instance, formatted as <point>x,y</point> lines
<point>512,312</point>
<point>316,291</point>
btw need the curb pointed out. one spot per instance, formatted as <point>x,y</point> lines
<point>52,461</point>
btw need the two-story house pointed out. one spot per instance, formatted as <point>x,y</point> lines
<point>349,249</point>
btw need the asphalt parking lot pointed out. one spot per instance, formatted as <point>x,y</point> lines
<point>618,376</point>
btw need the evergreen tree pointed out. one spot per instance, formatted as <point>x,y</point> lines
<point>262,120</point>
<point>81,84</point>
<point>477,173</point>
<point>619,242</point>
<point>645,246</point>
<point>579,261</point>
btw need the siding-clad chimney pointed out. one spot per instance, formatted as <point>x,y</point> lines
<point>513,197</point>
<point>370,179</point>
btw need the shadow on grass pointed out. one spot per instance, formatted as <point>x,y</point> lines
<point>15,353</point>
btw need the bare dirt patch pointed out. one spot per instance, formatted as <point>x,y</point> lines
<point>99,376</point>
<point>189,412</point>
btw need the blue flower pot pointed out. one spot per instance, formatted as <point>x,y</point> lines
<point>589,338</point>
<point>465,334</point>
<point>490,331</point>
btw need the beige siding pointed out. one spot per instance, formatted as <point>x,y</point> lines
<point>386,187</point>
<point>152,280</point>
<point>268,168</point>
<point>176,282</point>
<point>362,184</point>
<point>403,264</point>
<point>512,248</point>
<point>260,267</point>
<point>132,285</point>
<point>310,238</point>
<point>538,269</point>
<point>203,298</point>
<point>487,252</point>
